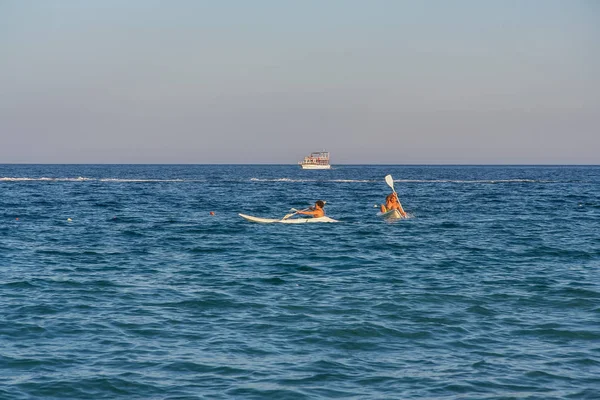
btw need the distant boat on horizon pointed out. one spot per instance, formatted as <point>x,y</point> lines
<point>316,160</point>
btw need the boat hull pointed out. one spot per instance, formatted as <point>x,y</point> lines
<point>312,166</point>
<point>286,221</point>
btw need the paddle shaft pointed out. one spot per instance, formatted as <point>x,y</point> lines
<point>294,213</point>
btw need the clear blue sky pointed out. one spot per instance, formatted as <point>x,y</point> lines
<point>107,81</point>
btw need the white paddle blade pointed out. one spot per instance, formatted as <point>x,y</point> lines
<point>389,181</point>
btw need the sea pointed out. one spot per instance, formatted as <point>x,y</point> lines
<point>143,282</point>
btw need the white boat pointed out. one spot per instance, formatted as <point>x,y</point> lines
<point>392,214</point>
<point>316,160</point>
<point>286,221</point>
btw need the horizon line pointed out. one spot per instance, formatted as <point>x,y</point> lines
<point>333,165</point>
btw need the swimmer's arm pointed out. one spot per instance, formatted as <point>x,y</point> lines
<point>307,212</point>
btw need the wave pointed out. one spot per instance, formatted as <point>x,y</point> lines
<point>281,180</point>
<point>292,180</point>
<point>355,180</point>
<point>143,180</point>
<point>312,180</point>
<point>489,181</point>
<point>45,179</point>
<point>472,181</point>
<point>83,179</point>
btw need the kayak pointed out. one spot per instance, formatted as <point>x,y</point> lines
<point>286,221</point>
<point>392,214</point>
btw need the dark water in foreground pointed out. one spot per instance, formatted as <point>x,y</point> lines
<point>490,291</point>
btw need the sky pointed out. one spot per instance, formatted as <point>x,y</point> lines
<point>269,81</point>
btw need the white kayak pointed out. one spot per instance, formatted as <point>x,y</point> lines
<point>287,221</point>
<point>392,214</point>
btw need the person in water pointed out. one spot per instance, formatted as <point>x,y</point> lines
<point>316,211</point>
<point>392,203</point>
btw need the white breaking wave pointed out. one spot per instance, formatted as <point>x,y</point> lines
<point>311,180</point>
<point>470,181</point>
<point>281,180</point>
<point>354,180</point>
<point>141,180</point>
<point>45,179</point>
<point>83,179</point>
<point>401,180</point>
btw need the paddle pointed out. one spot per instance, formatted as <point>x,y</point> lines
<point>293,213</point>
<point>390,183</point>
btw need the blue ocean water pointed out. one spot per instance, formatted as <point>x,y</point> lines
<point>117,283</point>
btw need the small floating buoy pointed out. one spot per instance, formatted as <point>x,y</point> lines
<point>69,219</point>
<point>212,213</point>
<point>16,219</point>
